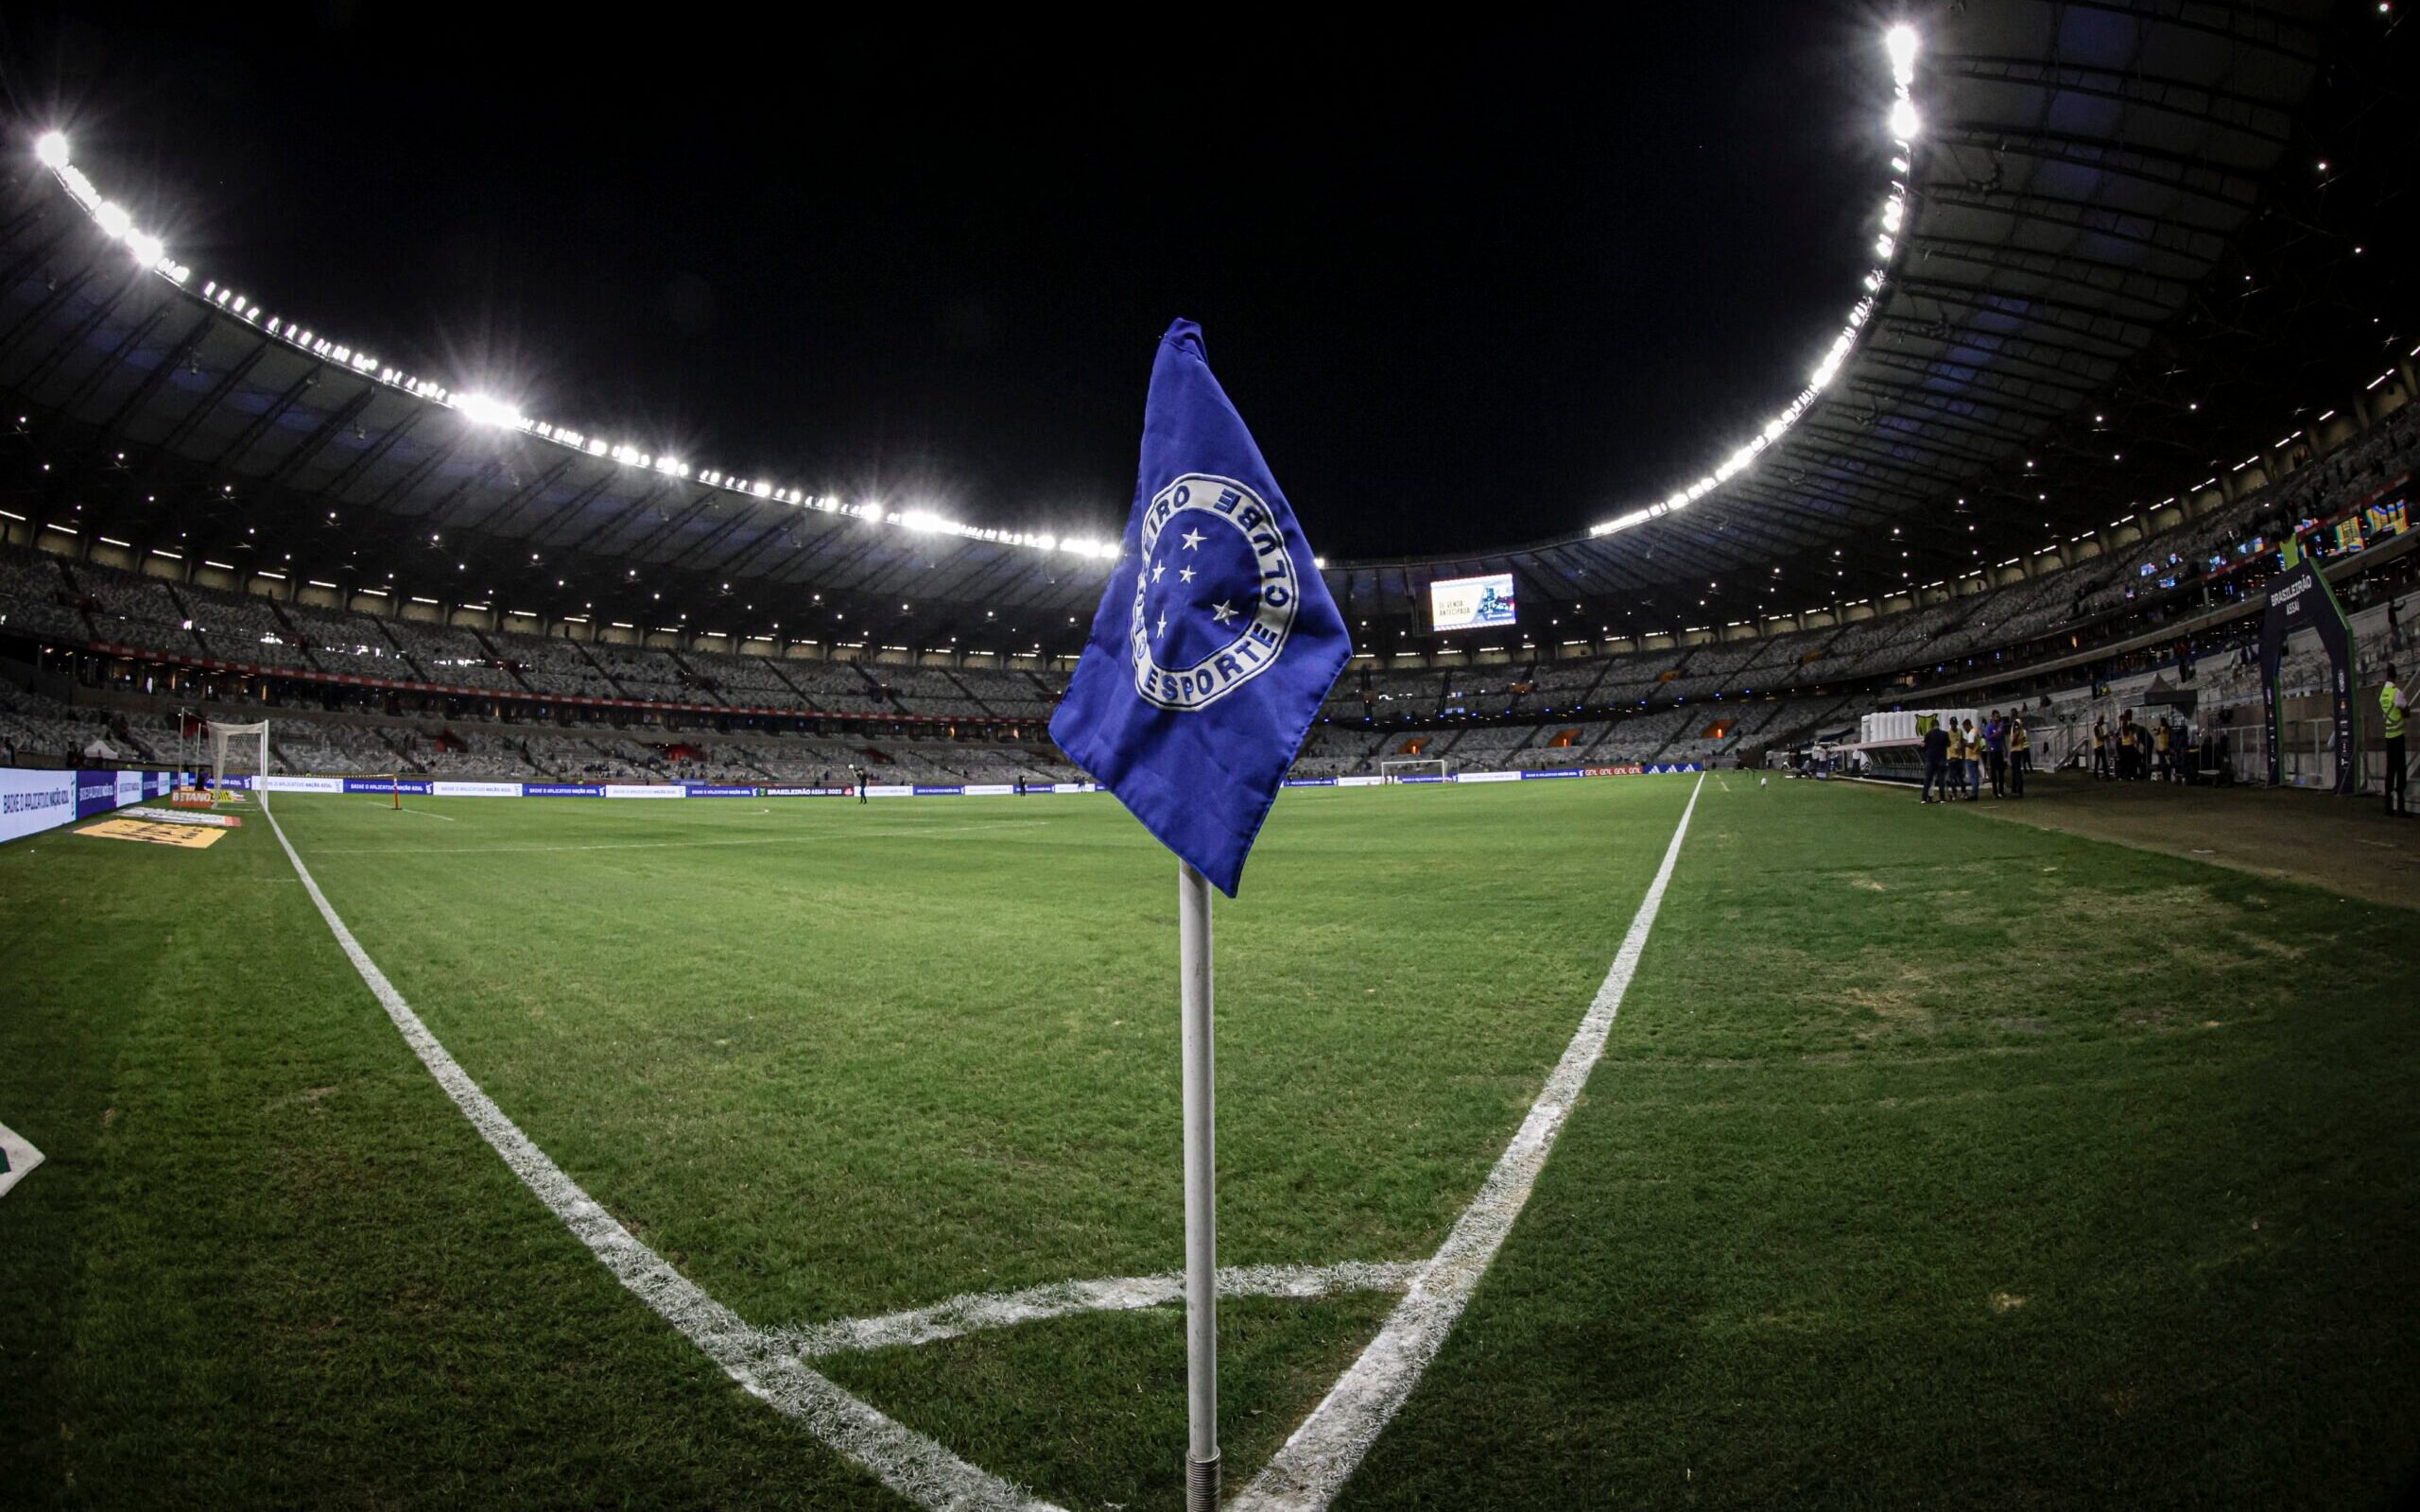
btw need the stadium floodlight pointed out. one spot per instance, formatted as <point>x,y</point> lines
<point>112,218</point>
<point>1901,42</point>
<point>51,148</point>
<point>483,409</point>
<point>147,247</point>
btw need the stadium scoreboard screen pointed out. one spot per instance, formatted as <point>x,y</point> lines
<point>1470,603</point>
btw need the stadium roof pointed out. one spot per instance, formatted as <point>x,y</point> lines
<point>2131,241</point>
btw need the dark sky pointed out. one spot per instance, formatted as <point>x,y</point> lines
<point>1469,285</point>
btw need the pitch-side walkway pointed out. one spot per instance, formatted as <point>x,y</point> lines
<point>2347,843</point>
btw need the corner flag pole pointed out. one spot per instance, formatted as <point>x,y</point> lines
<point>1200,1196</point>
<point>1190,709</point>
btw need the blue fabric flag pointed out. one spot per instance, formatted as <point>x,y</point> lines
<point>1216,640</point>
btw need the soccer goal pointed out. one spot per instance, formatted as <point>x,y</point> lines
<point>240,752</point>
<point>1437,767</point>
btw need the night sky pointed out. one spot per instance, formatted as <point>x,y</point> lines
<point>1468,289</point>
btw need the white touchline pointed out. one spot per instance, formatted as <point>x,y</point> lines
<point>425,813</point>
<point>1313,1465</point>
<point>903,1459</point>
<point>973,1313</point>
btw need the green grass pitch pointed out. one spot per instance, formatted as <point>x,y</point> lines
<point>1931,1160</point>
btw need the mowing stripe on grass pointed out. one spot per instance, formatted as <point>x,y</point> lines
<point>1313,1465</point>
<point>903,1459</point>
<point>813,837</point>
<point>973,1313</point>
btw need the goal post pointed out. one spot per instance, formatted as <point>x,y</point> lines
<point>1437,767</point>
<point>238,751</point>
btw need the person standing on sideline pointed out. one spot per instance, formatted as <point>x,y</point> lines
<point>2160,745</point>
<point>2020,754</point>
<point>2392,704</point>
<point>2101,746</point>
<point>1957,763</point>
<point>1996,752</point>
<point>1974,763</point>
<point>1936,765</point>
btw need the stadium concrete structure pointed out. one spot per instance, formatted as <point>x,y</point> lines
<point>2127,309</point>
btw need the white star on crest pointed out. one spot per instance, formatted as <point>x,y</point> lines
<point>1164,625</point>
<point>1184,574</point>
<point>1192,541</point>
<point>1223,612</point>
<point>1157,569</point>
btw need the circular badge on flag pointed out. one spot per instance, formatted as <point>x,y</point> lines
<point>1214,592</point>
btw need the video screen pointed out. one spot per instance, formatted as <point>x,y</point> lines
<point>1470,603</point>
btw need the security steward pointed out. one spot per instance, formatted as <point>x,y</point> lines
<point>2392,705</point>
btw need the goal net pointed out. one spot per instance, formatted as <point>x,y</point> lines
<point>238,752</point>
<point>1395,771</point>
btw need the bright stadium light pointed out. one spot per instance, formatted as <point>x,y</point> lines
<point>1901,43</point>
<point>481,409</point>
<point>51,150</point>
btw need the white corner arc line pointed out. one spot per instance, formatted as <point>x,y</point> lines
<point>1314,1463</point>
<point>973,1313</point>
<point>908,1462</point>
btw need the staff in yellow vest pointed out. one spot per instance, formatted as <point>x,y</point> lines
<point>2020,755</point>
<point>2390,704</point>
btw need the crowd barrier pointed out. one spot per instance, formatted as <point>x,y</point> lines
<point>34,800</point>
<point>1643,769</point>
<point>441,787</point>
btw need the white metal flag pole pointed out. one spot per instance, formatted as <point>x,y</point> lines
<point>1201,1197</point>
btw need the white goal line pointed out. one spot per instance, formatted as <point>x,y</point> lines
<point>1314,1463</point>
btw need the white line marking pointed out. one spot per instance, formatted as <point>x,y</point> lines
<point>1313,1465</point>
<point>425,813</point>
<point>903,1459</point>
<point>972,1312</point>
<point>17,1157</point>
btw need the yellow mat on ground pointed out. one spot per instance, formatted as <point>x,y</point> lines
<point>157,834</point>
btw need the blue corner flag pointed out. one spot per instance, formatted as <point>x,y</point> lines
<point>1216,640</point>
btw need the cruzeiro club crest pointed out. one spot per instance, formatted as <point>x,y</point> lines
<point>1214,592</point>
